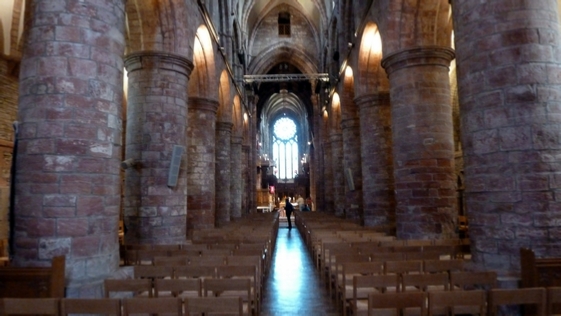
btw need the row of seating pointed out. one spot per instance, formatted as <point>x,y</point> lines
<point>238,287</point>
<point>122,307</point>
<point>355,294</point>
<point>538,301</point>
<point>215,262</point>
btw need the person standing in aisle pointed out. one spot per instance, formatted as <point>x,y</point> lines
<point>288,208</point>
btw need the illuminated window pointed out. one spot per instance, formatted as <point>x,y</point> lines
<point>284,24</point>
<point>285,148</point>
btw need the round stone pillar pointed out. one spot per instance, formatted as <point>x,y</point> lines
<point>236,177</point>
<point>223,173</point>
<point>377,167</point>
<point>336,142</point>
<point>67,177</point>
<point>246,179</point>
<point>352,168</point>
<point>328,196</point>
<point>201,139</point>
<point>423,146</point>
<point>155,213</point>
<point>510,100</point>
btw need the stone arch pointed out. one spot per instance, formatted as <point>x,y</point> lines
<point>335,113</point>
<point>157,25</point>
<point>370,76</point>
<point>203,78</point>
<point>237,117</point>
<point>413,23</point>
<point>224,113</point>
<point>280,53</point>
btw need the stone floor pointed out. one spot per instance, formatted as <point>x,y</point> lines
<point>293,286</point>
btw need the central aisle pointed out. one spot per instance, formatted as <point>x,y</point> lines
<point>293,286</point>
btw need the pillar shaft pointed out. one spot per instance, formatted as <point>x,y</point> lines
<point>236,178</point>
<point>510,96</point>
<point>377,165</point>
<point>201,139</point>
<point>223,171</point>
<point>155,213</point>
<point>423,147</point>
<point>67,179</point>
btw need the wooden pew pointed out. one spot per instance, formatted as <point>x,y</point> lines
<point>539,272</point>
<point>34,282</point>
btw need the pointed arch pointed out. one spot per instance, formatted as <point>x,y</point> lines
<point>237,117</point>
<point>224,113</point>
<point>370,77</point>
<point>203,78</point>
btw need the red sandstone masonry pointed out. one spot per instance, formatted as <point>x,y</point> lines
<point>509,100</point>
<point>69,112</point>
<point>423,149</point>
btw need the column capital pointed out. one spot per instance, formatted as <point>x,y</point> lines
<point>202,104</point>
<point>373,99</point>
<point>224,126</point>
<point>419,56</point>
<point>160,60</point>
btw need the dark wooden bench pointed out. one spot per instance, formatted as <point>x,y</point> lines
<point>539,272</point>
<point>33,282</point>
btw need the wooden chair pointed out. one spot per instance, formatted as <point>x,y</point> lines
<point>194,271</point>
<point>364,285</point>
<point>153,272</point>
<point>410,303</point>
<point>554,300</point>
<point>195,306</point>
<point>178,288</point>
<point>232,288</point>
<point>208,260</point>
<point>425,282</point>
<point>350,270</point>
<point>402,267</point>
<point>121,288</point>
<point>90,306</point>
<point>146,256</point>
<point>473,280</point>
<point>168,306</point>
<point>530,301</point>
<point>30,306</point>
<point>171,261</point>
<point>243,271</point>
<point>434,266</point>
<point>457,302</point>
<point>337,262</point>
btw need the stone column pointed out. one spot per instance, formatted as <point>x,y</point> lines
<point>423,146</point>
<point>336,142</point>
<point>223,172</point>
<point>377,166</point>
<point>246,181</point>
<point>155,213</point>
<point>201,139</point>
<point>510,100</point>
<point>352,168</point>
<point>69,110</point>
<point>328,196</point>
<point>236,178</point>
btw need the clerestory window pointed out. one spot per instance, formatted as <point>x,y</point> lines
<point>284,24</point>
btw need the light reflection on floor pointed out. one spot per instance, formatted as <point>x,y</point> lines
<point>293,286</point>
